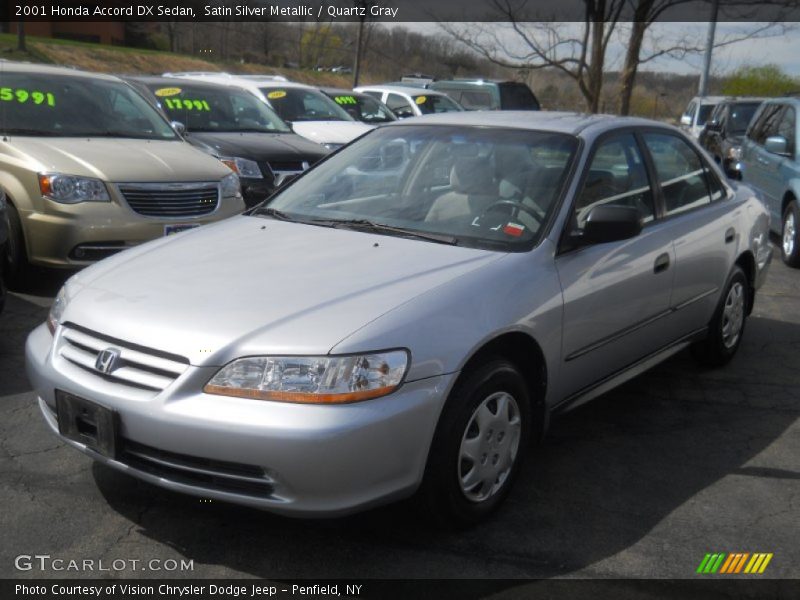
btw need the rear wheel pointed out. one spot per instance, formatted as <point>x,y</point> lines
<point>478,447</point>
<point>727,326</point>
<point>790,242</point>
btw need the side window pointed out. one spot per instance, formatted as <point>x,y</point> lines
<point>617,176</point>
<point>476,99</point>
<point>686,181</point>
<point>767,124</point>
<point>399,106</point>
<point>786,128</point>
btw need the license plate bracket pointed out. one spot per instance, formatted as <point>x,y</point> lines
<point>87,422</point>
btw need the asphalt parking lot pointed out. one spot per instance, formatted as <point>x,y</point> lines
<point>641,483</point>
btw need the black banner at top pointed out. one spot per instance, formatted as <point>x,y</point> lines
<point>402,10</point>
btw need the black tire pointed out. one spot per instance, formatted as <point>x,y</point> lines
<point>441,493</point>
<point>723,339</point>
<point>790,235</point>
<point>16,267</point>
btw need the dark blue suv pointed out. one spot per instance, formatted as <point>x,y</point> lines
<point>770,166</point>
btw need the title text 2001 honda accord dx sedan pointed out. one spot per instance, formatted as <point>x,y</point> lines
<point>406,315</point>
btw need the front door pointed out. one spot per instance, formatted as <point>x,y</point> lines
<point>616,295</point>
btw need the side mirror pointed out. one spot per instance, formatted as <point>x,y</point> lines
<point>777,144</point>
<point>611,224</point>
<point>686,120</point>
<point>179,127</point>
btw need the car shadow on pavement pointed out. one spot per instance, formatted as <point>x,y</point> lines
<point>607,475</point>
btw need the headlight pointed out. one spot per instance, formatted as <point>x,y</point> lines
<point>70,189</point>
<point>332,146</point>
<point>312,379</point>
<point>57,310</point>
<point>735,153</point>
<point>230,186</point>
<point>242,166</point>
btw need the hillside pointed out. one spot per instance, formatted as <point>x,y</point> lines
<point>120,59</point>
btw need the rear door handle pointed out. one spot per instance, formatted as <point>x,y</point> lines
<point>730,235</point>
<point>662,263</point>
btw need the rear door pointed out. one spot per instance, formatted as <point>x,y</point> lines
<point>616,295</point>
<point>699,220</point>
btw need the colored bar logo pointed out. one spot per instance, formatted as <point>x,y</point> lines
<point>734,563</point>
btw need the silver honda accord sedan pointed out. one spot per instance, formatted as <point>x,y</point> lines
<point>406,316</point>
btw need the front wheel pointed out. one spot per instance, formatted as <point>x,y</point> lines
<point>478,446</point>
<point>727,325</point>
<point>790,242</point>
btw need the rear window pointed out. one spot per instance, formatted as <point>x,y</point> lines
<point>517,96</point>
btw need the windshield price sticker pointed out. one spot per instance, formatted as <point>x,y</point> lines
<point>421,99</point>
<point>276,94</point>
<point>186,104</point>
<point>23,96</point>
<point>345,100</point>
<point>168,91</point>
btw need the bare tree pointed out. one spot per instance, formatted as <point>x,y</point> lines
<point>577,50</point>
<point>648,12</point>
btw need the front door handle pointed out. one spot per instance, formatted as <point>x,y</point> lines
<point>730,235</point>
<point>662,263</point>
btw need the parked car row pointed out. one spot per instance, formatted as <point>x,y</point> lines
<point>754,140</point>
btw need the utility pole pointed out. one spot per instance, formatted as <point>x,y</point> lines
<point>357,63</point>
<point>712,31</point>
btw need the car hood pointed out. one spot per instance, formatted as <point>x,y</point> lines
<point>250,286</point>
<point>259,146</point>
<point>117,159</point>
<point>330,132</point>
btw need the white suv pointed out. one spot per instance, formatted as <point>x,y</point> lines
<point>697,112</point>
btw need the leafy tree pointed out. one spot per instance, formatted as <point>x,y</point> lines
<point>766,80</point>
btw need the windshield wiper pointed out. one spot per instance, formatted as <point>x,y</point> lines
<point>272,212</point>
<point>368,225</point>
<point>36,132</point>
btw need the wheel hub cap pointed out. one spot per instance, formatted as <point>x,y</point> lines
<point>733,315</point>
<point>489,447</point>
<point>789,232</point>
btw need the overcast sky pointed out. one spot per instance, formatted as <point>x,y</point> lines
<point>783,50</point>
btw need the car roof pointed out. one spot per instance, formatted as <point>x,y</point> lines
<point>341,91</point>
<point>783,100</point>
<point>170,81</point>
<point>10,66</point>
<point>403,89</point>
<point>477,81</point>
<point>709,99</point>
<point>559,122</point>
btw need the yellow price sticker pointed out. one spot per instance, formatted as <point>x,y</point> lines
<point>169,91</point>
<point>276,94</point>
<point>421,99</point>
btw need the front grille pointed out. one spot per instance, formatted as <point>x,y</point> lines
<point>137,367</point>
<point>171,199</point>
<point>213,474</point>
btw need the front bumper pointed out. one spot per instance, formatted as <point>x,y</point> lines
<point>76,235</point>
<point>316,460</point>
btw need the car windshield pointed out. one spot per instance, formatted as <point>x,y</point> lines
<point>298,104</point>
<point>364,108</point>
<point>472,186</point>
<point>431,103</point>
<point>206,108</point>
<point>49,104</point>
<point>741,114</point>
